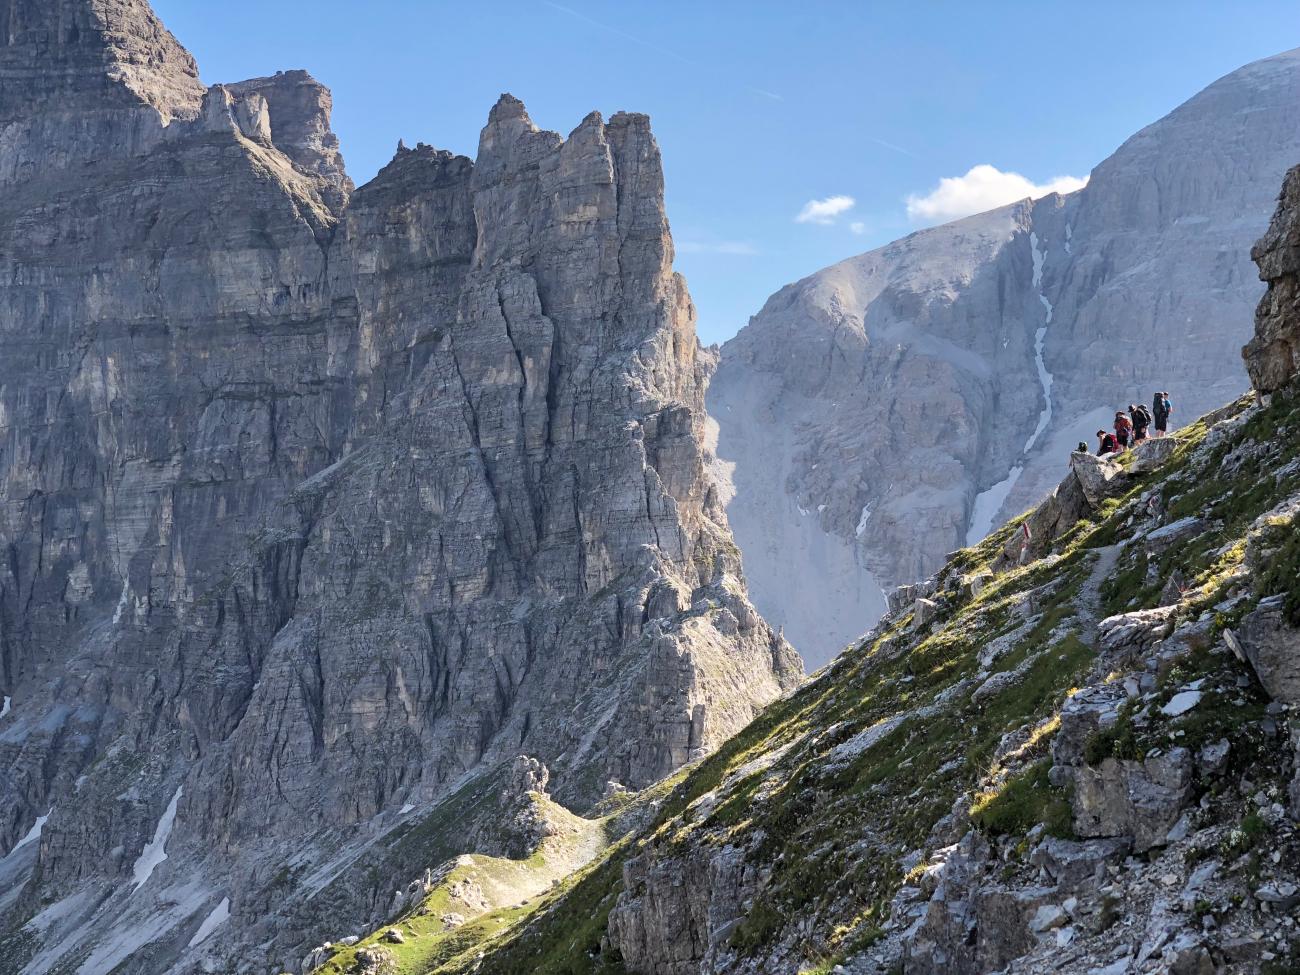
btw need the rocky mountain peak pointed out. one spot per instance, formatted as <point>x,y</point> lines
<point>298,108</point>
<point>359,494</point>
<point>64,53</point>
<point>901,403</point>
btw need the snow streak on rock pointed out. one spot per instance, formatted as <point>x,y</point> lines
<point>155,852</point>
<point>862,522</point>
<point>1044,377</point>
<point>988,504</point>
<point>220,914</point>
<point>34,833</point>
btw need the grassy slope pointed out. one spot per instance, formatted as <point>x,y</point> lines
<point>832,831</point>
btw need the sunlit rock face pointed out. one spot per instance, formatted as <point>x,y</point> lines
<point>320,502</point>
<point>899,404</point>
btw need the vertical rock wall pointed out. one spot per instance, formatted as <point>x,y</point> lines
<point>317,502</point>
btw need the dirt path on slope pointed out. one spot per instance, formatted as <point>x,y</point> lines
<point>1089,604</point>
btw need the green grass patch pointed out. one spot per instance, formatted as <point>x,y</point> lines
<point>1023,802</point>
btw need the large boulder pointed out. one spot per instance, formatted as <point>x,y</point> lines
<point>1151,454</point>
<point>1075,864</point>
<point>1273,355</point>
<point>1139,799</point>
<point>1098,477</point>
<point>1175,533</point>
<point>1272,648</point>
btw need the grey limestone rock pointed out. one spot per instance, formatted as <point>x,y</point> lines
<point>322,504</point>
<point>1138,799</point>
<point>1075,864</point>
<point>901,403</point>
<point>1273,353</point>
<point>1272,648</point>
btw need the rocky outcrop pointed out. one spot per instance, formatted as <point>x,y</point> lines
<point>900,404</point>
<point>1272,648</point>
<point>1137,800</point>
<point>323,504</point>
<point>298,111</point>
<point>1273,353</point>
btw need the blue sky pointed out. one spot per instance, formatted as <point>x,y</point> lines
<point>760,107</point>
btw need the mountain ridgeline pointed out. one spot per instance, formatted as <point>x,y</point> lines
<point>321,504</point>
<point>903,403</point>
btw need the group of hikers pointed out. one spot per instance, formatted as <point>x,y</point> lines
<point>1131,427</point>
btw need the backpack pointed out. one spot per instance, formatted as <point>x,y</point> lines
<point>1123,424</point>
<point>1141,418</point>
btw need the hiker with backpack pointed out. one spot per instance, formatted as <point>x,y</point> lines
<point>1141,419</point>
<point>1107,444</point>
<point>1123,430</point>
<point>1160,410</point>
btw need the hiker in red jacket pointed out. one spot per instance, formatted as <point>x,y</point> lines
<point>1107,443</point>
<point>1123,430</point>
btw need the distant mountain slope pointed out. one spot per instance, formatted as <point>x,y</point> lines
<point>899,404</point>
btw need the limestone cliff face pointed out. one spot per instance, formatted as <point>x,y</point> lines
<point>320,502</point>
<point>898,405</point>
<point>1273,353</point>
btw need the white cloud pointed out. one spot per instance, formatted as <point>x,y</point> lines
<point>735,248</point>
<point>858,227</point>
<point>984,187</point>
<point>824,211</point>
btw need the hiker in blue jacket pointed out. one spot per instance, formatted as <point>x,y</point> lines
<point>1160,410</point>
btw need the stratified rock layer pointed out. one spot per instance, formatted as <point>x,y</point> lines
<point>318,503</point>
<point>900,404</point>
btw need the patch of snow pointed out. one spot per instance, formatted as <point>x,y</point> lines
<point>1069,235</point>
<point>134,929</point>
<point>862,522</point>
<point>405,809</point>
<point>34,833</point>
<point>220,914</point>
<point>802,510</point>
<point>987,505</point>
<point>1044,377</point>
<point>1039,257</point>
<point>5,708</point>
<point>122,601</point>
<point>155,851</point>
<point>821,508</point>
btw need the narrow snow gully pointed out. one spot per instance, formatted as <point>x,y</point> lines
<point>155,852</point>
<point>1044,377</point>
<point>989,502</point>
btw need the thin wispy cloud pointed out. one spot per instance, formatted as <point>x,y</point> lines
<point>984,187</point>
<point>650,46</point>
<point>825,211</point>
<point>896,148</point>
<point>734,248</point>
<point>858,227</point>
